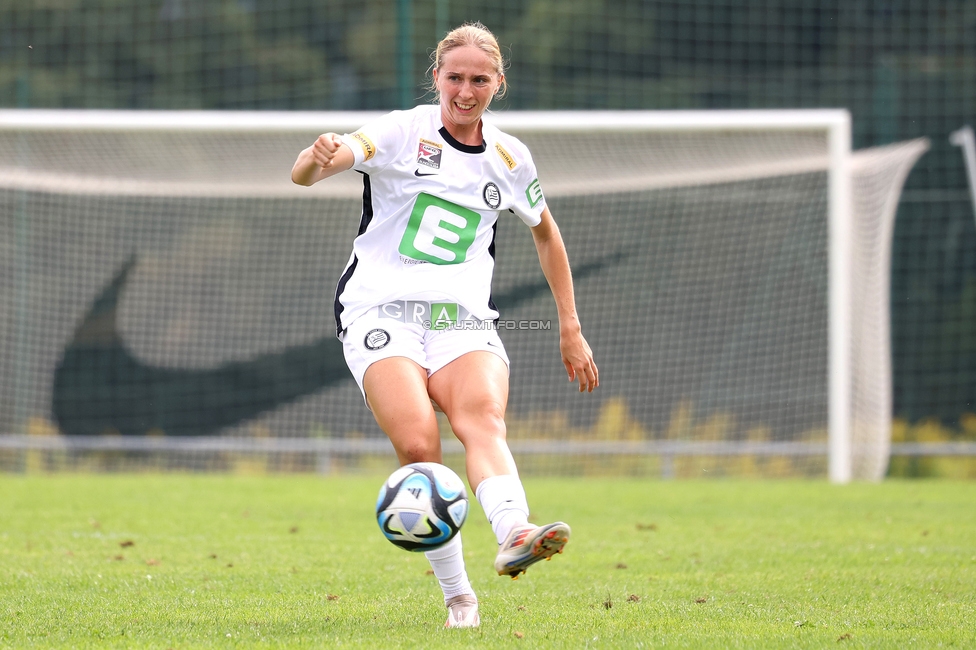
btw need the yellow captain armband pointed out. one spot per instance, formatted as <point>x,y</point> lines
<point>369,149</point>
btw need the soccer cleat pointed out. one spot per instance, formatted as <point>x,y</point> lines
<point>462,611</point>
<point>526,545</point>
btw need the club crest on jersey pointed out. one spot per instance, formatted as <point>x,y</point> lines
<point>376,339</point>
<point>492,195</point>
<point>429,154</point>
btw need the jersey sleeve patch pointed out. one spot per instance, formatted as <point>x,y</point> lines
<point>369,149</point>
<point>505,156</point>
<point>533,193</point>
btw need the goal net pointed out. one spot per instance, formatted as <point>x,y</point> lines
<point>168,295</point>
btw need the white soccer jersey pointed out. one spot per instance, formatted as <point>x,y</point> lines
<point>430,205</point>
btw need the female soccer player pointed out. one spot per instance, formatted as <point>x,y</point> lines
<point>413,306</point>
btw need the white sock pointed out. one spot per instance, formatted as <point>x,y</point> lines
<point>448,565</point>
<point>503,500</point>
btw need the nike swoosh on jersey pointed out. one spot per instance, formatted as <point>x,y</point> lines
<point>99,386</point>
<point>417,173</point>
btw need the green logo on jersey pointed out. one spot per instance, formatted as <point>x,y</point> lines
<point>533,193</point>
<point>439,232</point>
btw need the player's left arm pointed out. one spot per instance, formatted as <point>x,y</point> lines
<point>575,351</point>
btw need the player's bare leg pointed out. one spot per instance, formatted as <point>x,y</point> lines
<point>472,390</point>
<point>396,389</point>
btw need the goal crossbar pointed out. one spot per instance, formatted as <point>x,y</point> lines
<point>834,123</point>
<point>560,121</point>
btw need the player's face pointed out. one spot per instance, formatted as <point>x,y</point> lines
<point>466,80</point>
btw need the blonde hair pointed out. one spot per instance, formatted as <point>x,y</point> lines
<point>476,35</point>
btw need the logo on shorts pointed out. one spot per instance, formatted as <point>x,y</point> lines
<point>492,196</point>
<point>444,315</point>
<point>420,312</point>
<point>376,339</point>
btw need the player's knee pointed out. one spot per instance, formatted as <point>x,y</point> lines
<point>486,420</point>
<point>420,450</point>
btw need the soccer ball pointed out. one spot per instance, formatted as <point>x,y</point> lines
<point>421,506</point>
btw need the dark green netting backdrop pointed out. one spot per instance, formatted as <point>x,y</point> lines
<point>905,69</point>
<point>173,282</point>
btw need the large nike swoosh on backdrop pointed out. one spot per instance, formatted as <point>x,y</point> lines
<point>101,387</point>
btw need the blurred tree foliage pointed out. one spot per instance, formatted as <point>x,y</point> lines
<point>327,54</point>
<point>157,54</point>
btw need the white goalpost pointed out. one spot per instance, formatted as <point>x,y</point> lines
<point>168,279</point>
<point>836,124</point>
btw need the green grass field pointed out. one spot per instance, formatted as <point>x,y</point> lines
<point>178,561</point>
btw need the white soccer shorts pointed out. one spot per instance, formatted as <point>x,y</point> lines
<point>371,338</point>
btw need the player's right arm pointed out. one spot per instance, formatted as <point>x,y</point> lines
<point>327,156</point>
